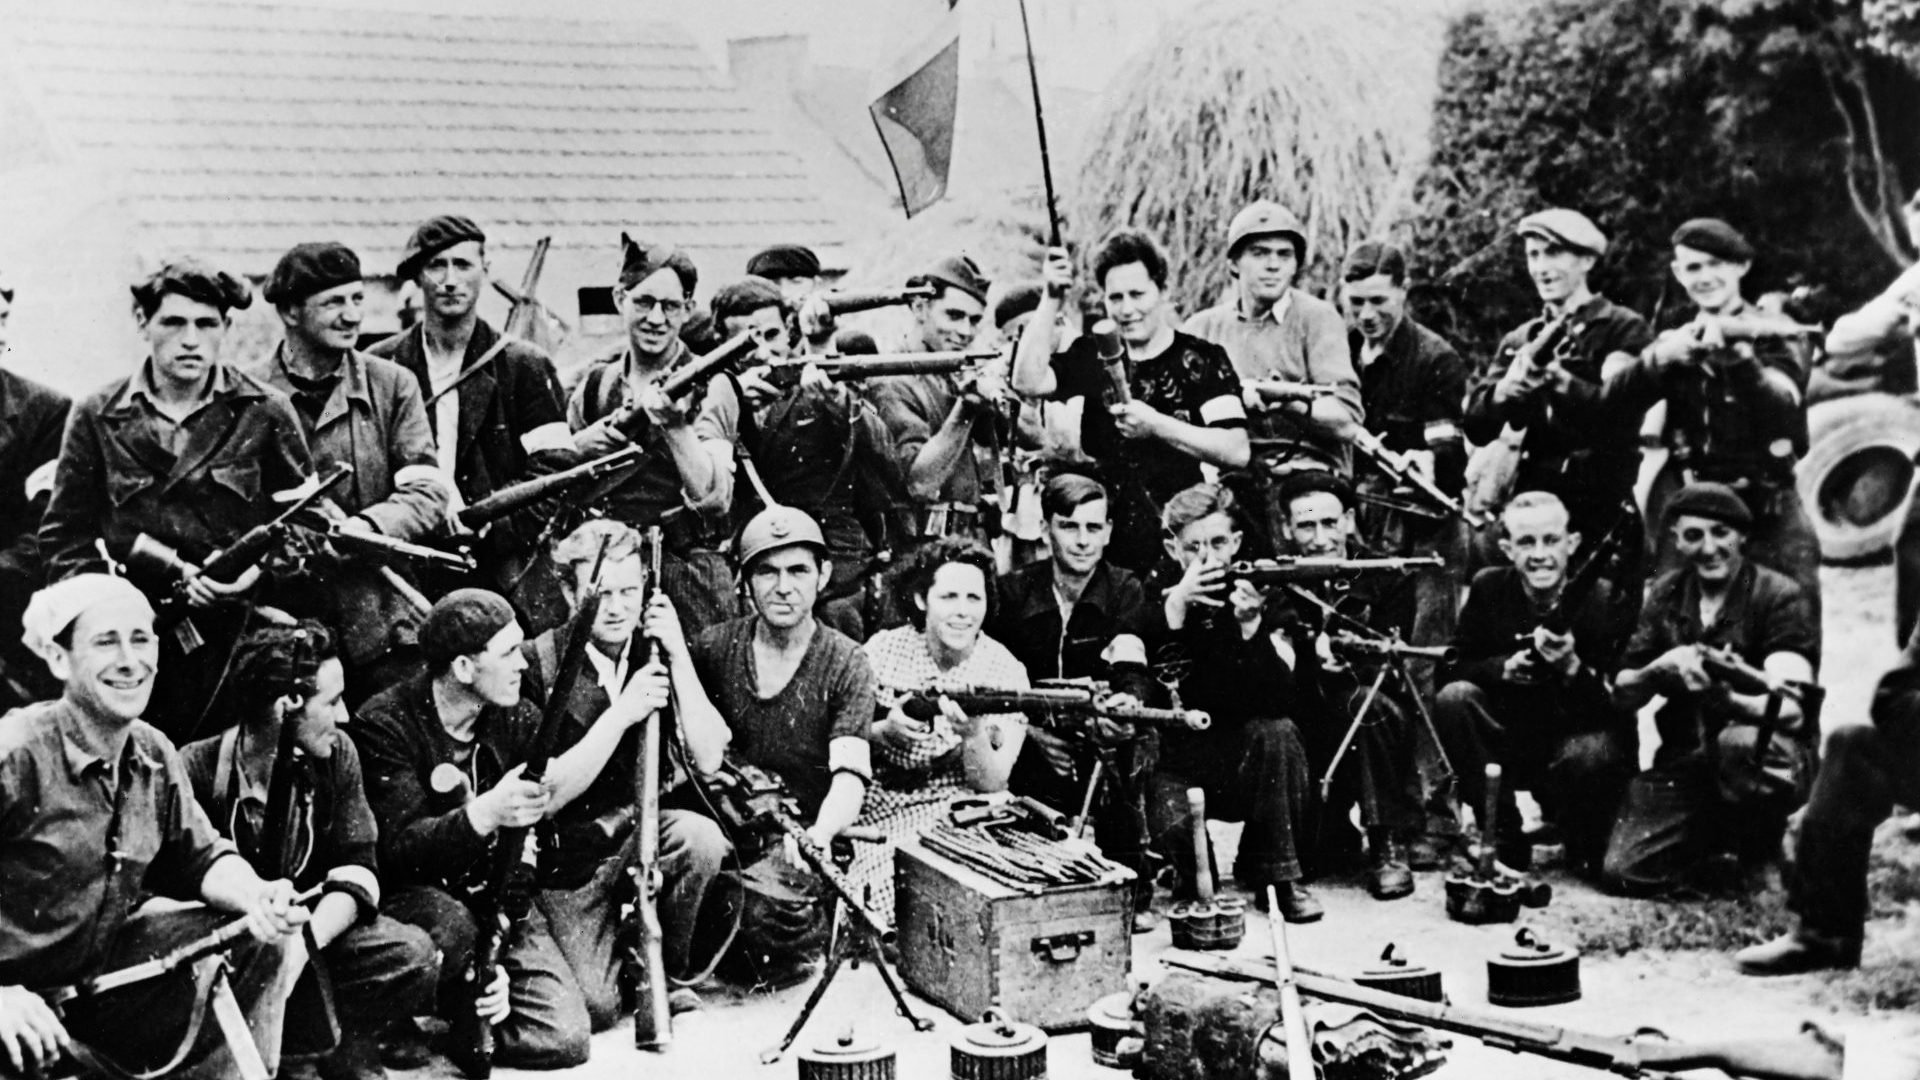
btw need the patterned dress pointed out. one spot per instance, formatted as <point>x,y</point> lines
<point>911,786</point>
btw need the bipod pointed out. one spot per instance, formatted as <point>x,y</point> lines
<point>849,940</point>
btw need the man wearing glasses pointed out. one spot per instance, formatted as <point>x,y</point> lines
<point>1731,765</point>
<point>685,482</point>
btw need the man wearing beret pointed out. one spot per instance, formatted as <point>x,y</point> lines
<point>1543,393</point>
<point>32,419</point>
<point>1733,379</point>
<point>366,412</point>
<point>505,421</point>
<point>1732,764</point>
<point>1280,337</point>
<point>445,752</point>
<point>187,451</point>
<point>795,269</point>
<point>685,482</point>
<point>948,430</point>
<point>96,814</point>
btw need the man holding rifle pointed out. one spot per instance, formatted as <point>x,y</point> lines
<point>188,451</point>
<point>366,412</point>
<point>588,844</point>
<point>494,402</point>
<point>1528,689</point>
<point>96,812</point>
<point>319,834</point>
<point>444,752</point>
<point>1726,641</point>
<point>684,481</point>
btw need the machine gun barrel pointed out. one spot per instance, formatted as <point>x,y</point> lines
<point>1388,646</point>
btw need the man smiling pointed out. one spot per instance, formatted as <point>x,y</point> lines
<point>1728,772</point>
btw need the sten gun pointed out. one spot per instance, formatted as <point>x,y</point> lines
<point>1289,569</point>
<point>227,564</point>
<point>1401,468</point>
<point>786,373</point>
<point>1054,705</point>
<point>1646,1053</point>
<point>681,381</point>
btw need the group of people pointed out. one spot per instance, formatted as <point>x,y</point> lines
<point>1375,570</point>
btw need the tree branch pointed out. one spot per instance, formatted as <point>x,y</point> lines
<point>1877,224</point>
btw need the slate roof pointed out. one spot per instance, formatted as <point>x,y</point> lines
<point>237,130</point>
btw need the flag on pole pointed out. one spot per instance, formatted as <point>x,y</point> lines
<point>914,96</point>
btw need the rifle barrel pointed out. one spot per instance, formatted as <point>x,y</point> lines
<point>527,492</point>
<point>851,301</point>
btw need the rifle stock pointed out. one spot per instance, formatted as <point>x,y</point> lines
<point>652,1020</point>
<point>1626,1055</point>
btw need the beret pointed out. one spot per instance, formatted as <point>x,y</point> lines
<point>639,261</point>
<point>784,261</point>
<point>311,268</point>
<point>1568,228</point>
<point>55,607</point>
<point>1716,238</point>
<point>434,236</point>
<point>461,623</point>
<point>1310,480</point>
<point>962,273</point>
<point>849,341</point>
<point>1265,218</point>
<point>1020,299</point>
<point>1716,502</point>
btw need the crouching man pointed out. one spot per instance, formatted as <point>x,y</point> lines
<point>381,970</point>
<point>445,752</point>
<point>96,812</point>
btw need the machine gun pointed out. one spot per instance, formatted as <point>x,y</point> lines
<point>785,374</point>
<point>229,563</point>
<point>1646,1053</point>
<point>1059,703</point>
<point>502,904</point>
<point>652,1020</point>
<point>1292,569</point>
<point>1401,468</point>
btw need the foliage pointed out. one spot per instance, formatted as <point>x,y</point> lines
<point>1316,105</point>
<point>1643,113</point>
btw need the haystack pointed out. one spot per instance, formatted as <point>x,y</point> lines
<point>1322,106</point>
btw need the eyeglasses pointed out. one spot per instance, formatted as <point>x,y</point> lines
<point>645,305</point>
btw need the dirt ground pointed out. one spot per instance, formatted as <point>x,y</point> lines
<point>1688,995</point>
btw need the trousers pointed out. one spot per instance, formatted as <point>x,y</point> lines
<point>1864,772</point>
<point>1256,774</point>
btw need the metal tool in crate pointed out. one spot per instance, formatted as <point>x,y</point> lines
<point>1017,843</point>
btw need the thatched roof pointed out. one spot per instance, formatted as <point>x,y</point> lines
<point>1323,107</point>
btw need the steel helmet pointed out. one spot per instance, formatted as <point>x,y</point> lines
<point>778,527</point>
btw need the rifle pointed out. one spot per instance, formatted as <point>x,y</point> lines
<point>503,902</point>
<point>786,373</point>
<point>1055,706</point>
<point>1644,1054</point>
<point>1284,390</point>
<point>1288,569</point>
<point>682,380</point>
<point>852,301</point>
<point>515,497</point>
<point>1403,472</point>
<point>652,1020</point>
<point>382,548</point>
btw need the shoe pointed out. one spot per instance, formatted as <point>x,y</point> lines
<point>682,999</point>
<point>1796,952</point>
<point>356,1058</point>
<point>404,1046</point>
<point>1145,922</point>
<point>1426,851</point>
<point>1387,875</point>
<point>1297,905</point>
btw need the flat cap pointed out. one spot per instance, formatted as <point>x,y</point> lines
<point>1020,298</point>
<point>1265,218</point>
<point>1308,481</point>
<point>195,280</point>
<point>461,623</point>
<point>784,261</point>
<point>1716,238</point>
<point>640,261</point>
<point>311,268</point>
<point>962,273</point>
<point>434,236</point>
<point>1568,228</point>
<point>1715,502</point>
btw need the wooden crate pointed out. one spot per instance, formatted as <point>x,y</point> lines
<point>967,941</point>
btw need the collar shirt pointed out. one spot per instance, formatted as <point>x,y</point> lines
<point>84,841</point>
<point>1054,640</point>
<point>441,371</point>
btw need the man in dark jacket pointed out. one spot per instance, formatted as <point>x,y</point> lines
<point>381,970</point>
<point>365,412</point>
<point>504,419</point>
<point>1533,699</point>
<point>189,452</point>
<point>32,418</point>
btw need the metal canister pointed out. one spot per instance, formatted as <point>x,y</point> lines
<point>1532,972</point>
<point>1230,922</point>
<point>999,1048</point>
<point>1117,1036</point>
<point>847,1056</point>
<point>1396,974</point>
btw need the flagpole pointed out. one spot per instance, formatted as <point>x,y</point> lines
<point>1040,122</point>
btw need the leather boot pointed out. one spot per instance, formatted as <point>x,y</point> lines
<point>1388,877</point>
<point>1798,951</point>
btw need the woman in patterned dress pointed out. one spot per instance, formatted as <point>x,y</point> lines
<point>921,763</point>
